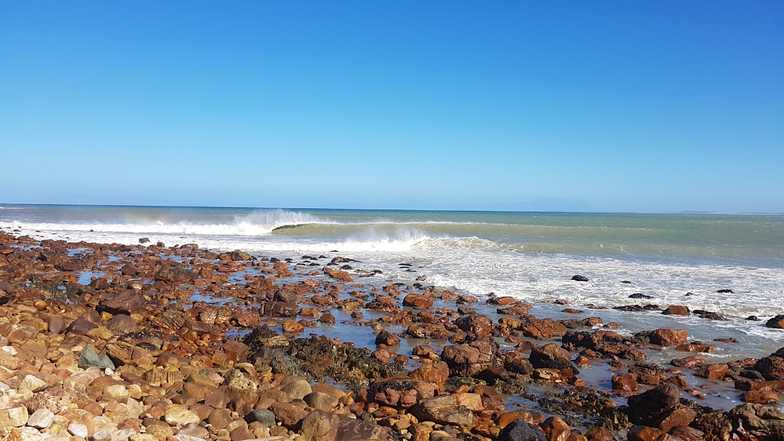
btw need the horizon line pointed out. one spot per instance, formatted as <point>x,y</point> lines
<point>674,212</point>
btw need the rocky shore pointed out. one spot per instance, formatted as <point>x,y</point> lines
<point>148,342</point>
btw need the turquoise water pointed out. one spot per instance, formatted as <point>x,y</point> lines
<point>756,240</point>
<point>675,258</point>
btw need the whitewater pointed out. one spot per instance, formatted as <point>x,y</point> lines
<point>675,259</point>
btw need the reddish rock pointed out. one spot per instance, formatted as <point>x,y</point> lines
<point>400,392</point>
<point>436,372</point>
<point>676,310</point>
<point>763,395</point>
<point>421,301</point>
<point>469,359</point>
<point>624,383</point>
<point>715,371</point>
<point>550,356</point>
<point>518,363</point>
<point>651,407</point>
<point>669,337</point>
<point>543,329</point>
<point>556,429</point>
<point>476,325</point>
<point>645,433</point>
<point>772,366</point>
<point>387,339</point>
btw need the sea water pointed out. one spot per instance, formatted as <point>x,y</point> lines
<point>674,258</point>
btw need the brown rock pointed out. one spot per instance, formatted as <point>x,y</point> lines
<point>468,359</point>
<point>715,371</point>
<point>550,356</point>
<point>772,366</point>
<point>624,383</point>
<point>669,337</point>
<point>676,310</point>
<point>543,328</point>
<point>292,326</point>
<point>476,325</point>
<point>556,429</point>
<point>763,395</point>
<point>431,371</point>
<point>645,433</point>
<point>444,410</point>
<point>651,407</point>
<point>418,301</point>
<point>289,414</point>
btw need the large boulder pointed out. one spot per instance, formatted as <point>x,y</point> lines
<point>478,326</point>
<point>660,407</point>
<point>469,359</point>
<point>550,356</point>
<point>776,322</point>
<point>772,366</point>
<point>667,336</point>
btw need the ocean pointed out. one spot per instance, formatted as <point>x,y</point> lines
<point>674,258</point>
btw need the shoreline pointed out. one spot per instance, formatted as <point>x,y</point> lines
<point>421,362</point>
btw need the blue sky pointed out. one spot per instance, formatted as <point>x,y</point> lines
<point>628,106</point>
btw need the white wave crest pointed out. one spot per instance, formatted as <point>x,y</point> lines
<point>257,223</point>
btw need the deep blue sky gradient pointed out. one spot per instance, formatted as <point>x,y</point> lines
<point>629,106</point>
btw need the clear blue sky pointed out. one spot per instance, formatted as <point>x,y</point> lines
<point>641,106</point>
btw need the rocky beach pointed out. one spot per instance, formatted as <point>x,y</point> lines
<point>148,342</point>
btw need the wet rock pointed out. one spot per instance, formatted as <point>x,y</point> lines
<point>518,363</point>
<point>469,359</point>
<point>431,371</point>
<point>708,315</point>
<point>639,295</point>
<point>543,328</point>
<point>760,421</point>
<point>556,429</point>
<point>644,433</point>
<point>607,343</point>
<point>624,383</point>
<point>659,406</point>
<point>550,356</point>
<point>599,433</point>
<point>292,327</point>
<point>387,339</point>
<point>520,430</point>
<point>668,337</point>
<point>714,371</point>
<point>418,301</point>
<point>400,392</point>
<point>776,322</point>
<point>762,395</point>
<point>676,310</point>
<point>686,433</point>
<point>772,366</point>
<point>476,325</point>
<point>715,425</point>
